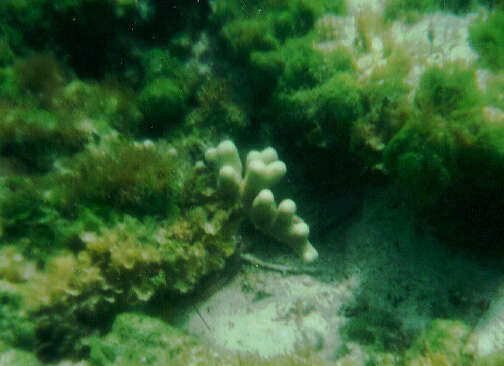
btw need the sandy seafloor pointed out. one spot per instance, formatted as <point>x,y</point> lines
<point>382,257</point>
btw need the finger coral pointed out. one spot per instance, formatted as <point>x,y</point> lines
<point>251,191</point>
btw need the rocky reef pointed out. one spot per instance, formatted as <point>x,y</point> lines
<point>124,202</point>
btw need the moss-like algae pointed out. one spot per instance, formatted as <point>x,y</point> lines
<point>424,154</point>
<point>487,37</point>
<point>93,221</point>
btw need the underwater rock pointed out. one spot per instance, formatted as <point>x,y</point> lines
<point>487,338</point>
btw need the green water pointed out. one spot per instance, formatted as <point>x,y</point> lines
<point>263,182</point>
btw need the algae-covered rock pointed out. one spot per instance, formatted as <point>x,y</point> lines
<point>139,259</point>
<point>14,357</point>
<point>16,329</point>
<point>163,103</point>
<point>440,344</point>
<point>380,330</point>
<point>123,174</point>
<point>31,138</point>
<point>427,155</point>
<point>487,37</point>
<point>137,339</point>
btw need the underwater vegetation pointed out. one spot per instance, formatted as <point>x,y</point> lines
<point>312,95</point>
<point>129,176</point>
<point>258,34</point>
<point>95,259</point>
<point>426,151</point>
<point>73,28</point>
<point>216,110</point>
<point>265,24</point>
<point>446,151</point>
<point>167,91</point>
<point>81,195</point>
<point>107,207</point>
<point>487,37</point>
<point>440,344</point>
<point>378,329</point>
